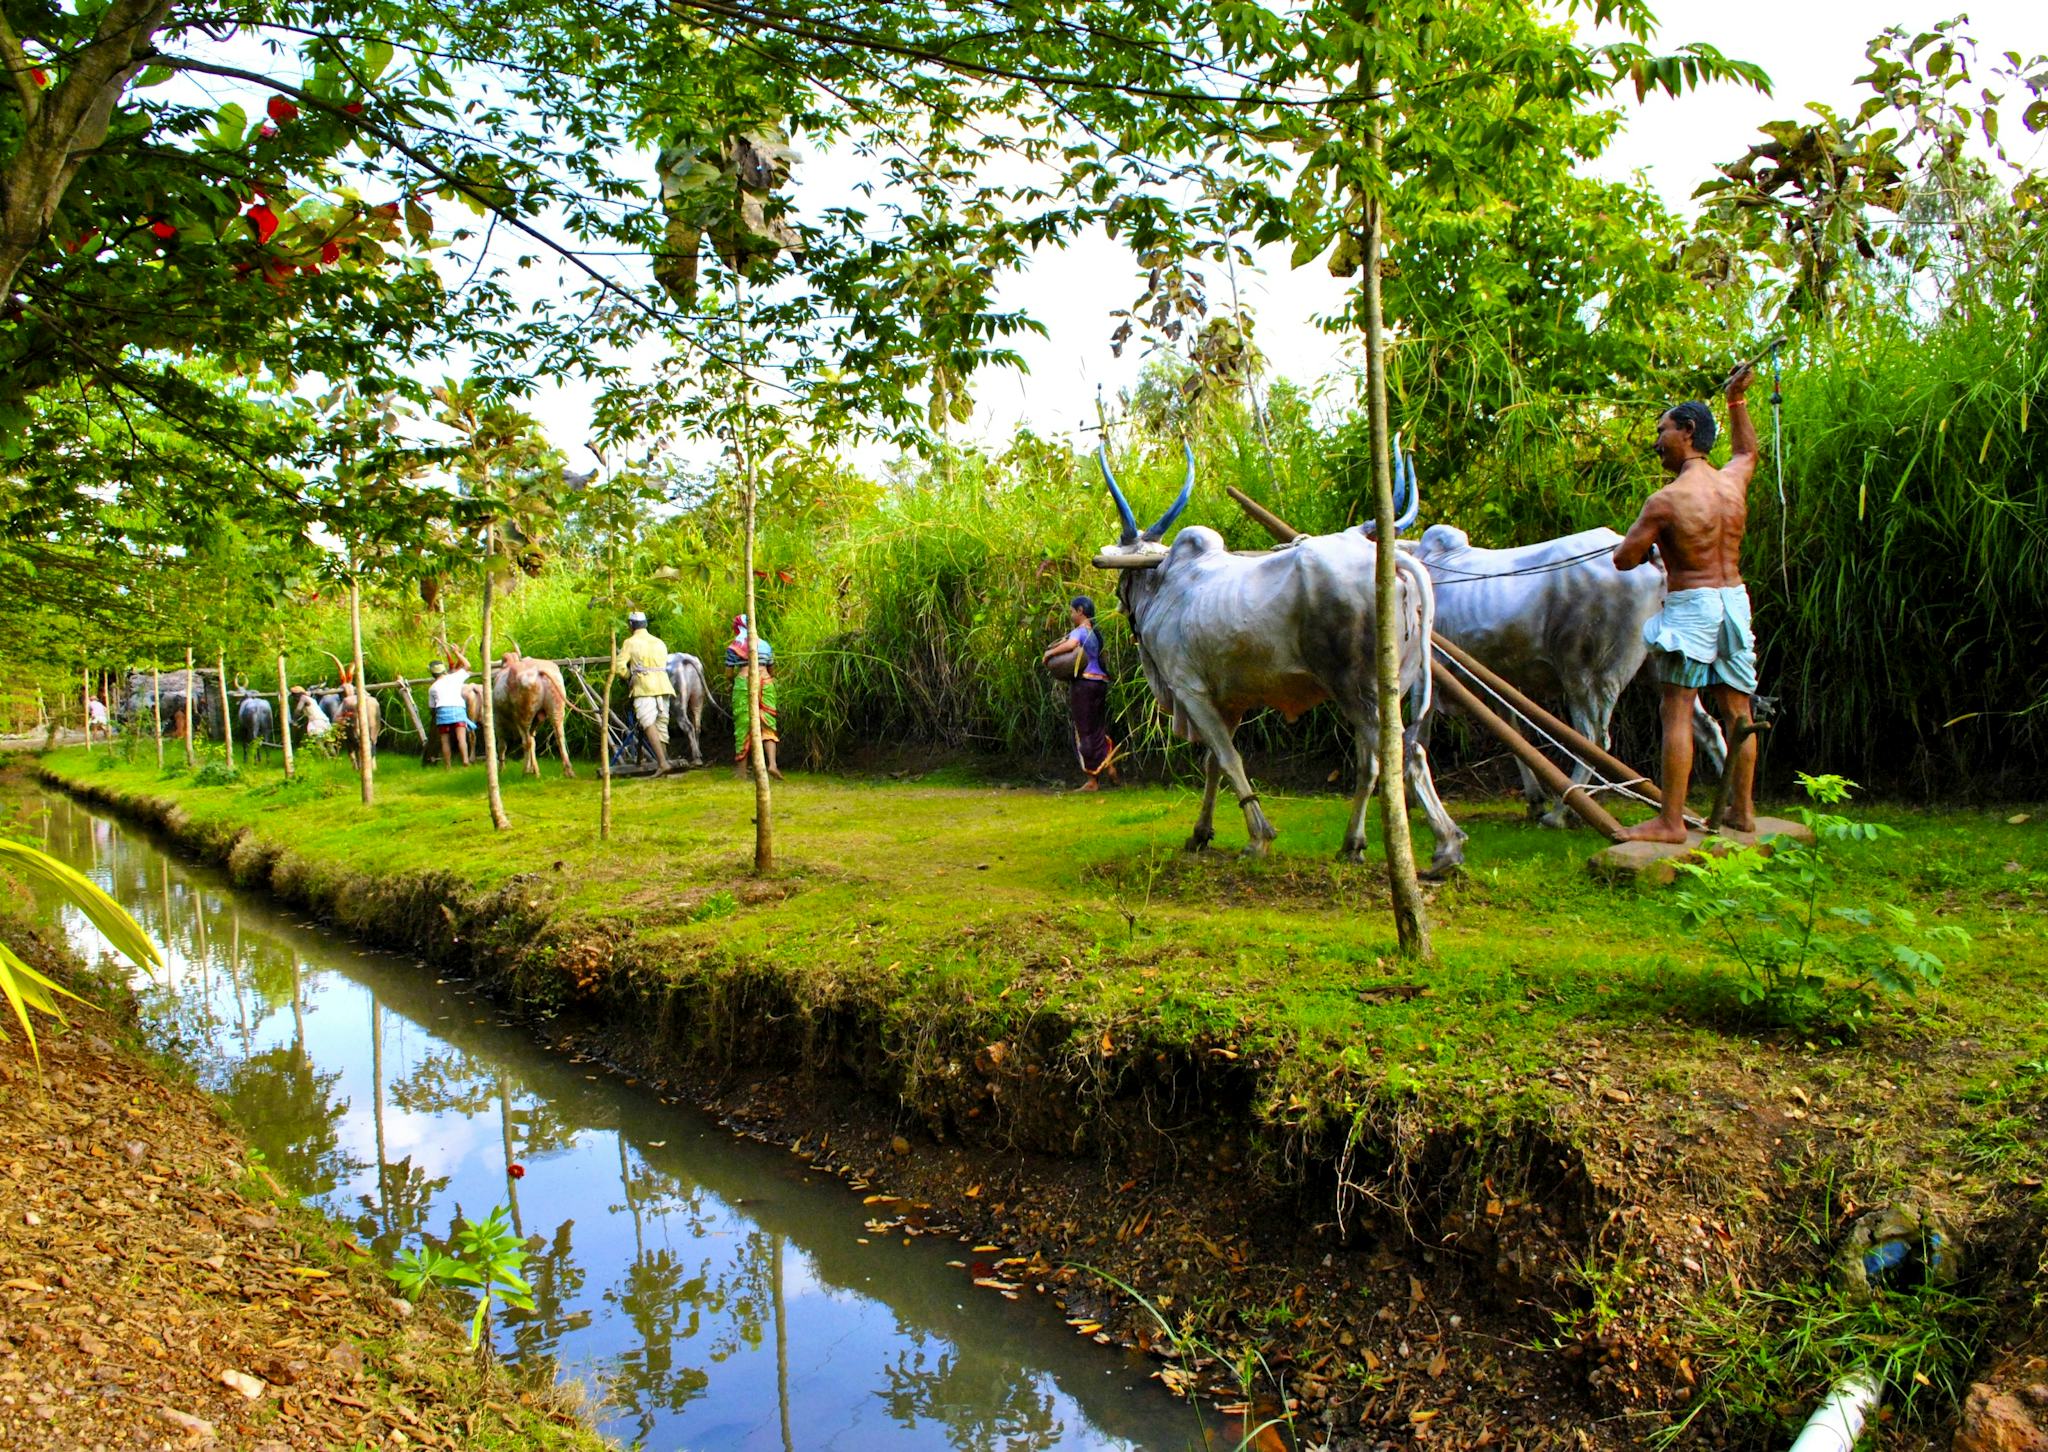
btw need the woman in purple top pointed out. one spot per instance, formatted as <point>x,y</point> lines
<point>1089,697</point>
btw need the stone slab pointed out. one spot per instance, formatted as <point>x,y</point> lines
<point>1655,864</point>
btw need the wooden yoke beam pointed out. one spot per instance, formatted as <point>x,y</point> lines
<point>1279,528</point>
<point>1576,796</point>
<point>1584,746</point>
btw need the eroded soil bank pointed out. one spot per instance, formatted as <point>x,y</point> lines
<point>146,1264</point>
<point>1583,1256</point>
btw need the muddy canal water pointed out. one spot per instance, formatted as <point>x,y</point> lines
<point>708,1292</point>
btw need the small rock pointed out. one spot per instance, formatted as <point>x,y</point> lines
<point>400,1307</point>
<point>136,1151</point>
<point>242,1382</point>
<point>31,1219</point>
<point>345,1359</point>
<point>899,1146</point>
<point>1995,1421</point>
<point>196,1429</point>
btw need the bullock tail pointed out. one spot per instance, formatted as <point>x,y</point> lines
<point>1424,690</point>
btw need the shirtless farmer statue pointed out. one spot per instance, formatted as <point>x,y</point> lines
<point>1701,638</point>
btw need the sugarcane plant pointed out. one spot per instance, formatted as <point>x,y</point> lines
<point>23,986</point>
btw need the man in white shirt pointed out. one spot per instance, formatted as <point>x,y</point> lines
<point>451,710</point>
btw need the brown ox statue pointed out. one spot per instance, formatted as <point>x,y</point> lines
<point>522,690</point>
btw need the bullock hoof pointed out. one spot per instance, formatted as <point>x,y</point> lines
<point>569,772</point>
<point>1557,819</point>
<point>1255,849</point>
<point>1199,841</point>
<point>1444,868</point>
<point>1352,854</point>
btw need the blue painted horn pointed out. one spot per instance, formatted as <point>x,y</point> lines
<point>1410,502</point>
<point>1187,488</point>
<point>1123,506</point>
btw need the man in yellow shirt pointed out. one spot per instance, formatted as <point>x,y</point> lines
<point>644,659</point>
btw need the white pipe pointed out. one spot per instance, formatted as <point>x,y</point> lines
<point>1837,1422</point>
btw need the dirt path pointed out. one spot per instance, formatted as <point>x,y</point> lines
<point>144,1265</point>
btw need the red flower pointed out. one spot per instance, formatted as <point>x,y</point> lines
<point>39,76</point>
<point>354,108</point>
<point>282,110</point>
<point>266,130</point>
<point>331,252</point>
<point>516,1171</point>
<point>164,230</point>
<point>266,222</point>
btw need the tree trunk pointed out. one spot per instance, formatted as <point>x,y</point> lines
<point>62,126</point>
<point>366,738</point>
<point>156,709</point>
<point>490,724</point>
<point>604,749</point>
<point>227,724</point>
<point>757,749</point>
<point>1411,916</point>
<point>191,707</point>
<point>85,698</point>
<point>284,718</point>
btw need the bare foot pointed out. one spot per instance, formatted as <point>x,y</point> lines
<point>1656,830</point>
<point>1088,786</point>
<point>775,772</point>
<point>1732,823</point>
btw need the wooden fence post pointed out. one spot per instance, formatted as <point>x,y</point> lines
<point>85,701</point>
<point>284,717</point>
<point>604,748</point>
<point>227,724</point>
<point>156,709</point>
<point>191,689</point>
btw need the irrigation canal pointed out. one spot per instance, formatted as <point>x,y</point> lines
<point>708,1292</point>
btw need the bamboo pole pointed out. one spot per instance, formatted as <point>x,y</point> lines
<point>156,709</point>
<point>284,718</point>
<point>191,688</point>
<point>1279,528</point>
<point>493,792</point>
<point>604,752</point>
<point>1576,796</point>
<point>366,736</point>
<point>412,711</point>
<point>227,725</point>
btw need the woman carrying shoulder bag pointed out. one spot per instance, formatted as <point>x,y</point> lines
<point>1076,657</point>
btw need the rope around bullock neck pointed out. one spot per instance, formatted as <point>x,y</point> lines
<point>1599,781</point>
<point>1459,577</point>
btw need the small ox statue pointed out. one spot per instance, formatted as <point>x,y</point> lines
<point>1221,635</point>
<point>525,690</point>
<point>686,675</point>
<point>354,710</point>
<point>255,724</point>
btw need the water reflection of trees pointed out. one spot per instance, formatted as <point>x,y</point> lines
<point>979,1400</point>
<point>287,1109</point>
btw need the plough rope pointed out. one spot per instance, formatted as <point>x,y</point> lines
<point>1599,782</point>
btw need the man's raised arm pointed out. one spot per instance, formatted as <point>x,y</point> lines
<point>1743,446</point>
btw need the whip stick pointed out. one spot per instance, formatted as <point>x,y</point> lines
<point>1778,457</point>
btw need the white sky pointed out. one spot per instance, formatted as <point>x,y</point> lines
<point>1813,51</point>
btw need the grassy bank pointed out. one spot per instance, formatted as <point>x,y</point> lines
<point>1566,1117</point>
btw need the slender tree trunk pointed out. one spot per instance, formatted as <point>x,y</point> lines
<point>85,698</point>
<point>604,749</point>
<point>191,707</point>
<point>156,709</point>
<point>491,790</point>
<point>366,742</point>
<point>757,750</point>
<point>284,717</point>
<point>781,1341</point>
<point>377,1107</point>
<point>227,724</point>
<point>1411,915</point>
